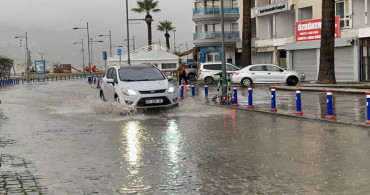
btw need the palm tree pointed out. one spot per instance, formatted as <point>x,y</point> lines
<point>327,71</point>
<point>247,34</point>
<point>166,26</point>
<point>147,6</point>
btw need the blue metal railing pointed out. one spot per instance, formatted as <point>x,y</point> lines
<point>215,35</point>
<point>215,10</point>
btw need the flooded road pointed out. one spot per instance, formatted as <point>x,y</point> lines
<point>59,138</point>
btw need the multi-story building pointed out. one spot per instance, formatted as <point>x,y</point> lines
<point>288,34</point>
<point>207,33</point>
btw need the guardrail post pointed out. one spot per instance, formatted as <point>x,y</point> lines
<point>206,93</point>
<point>273,99</point>
<point>235,96</point>
<point>182,92</point>
<point>192,90</point>
<point>250,97</point>
<point>368,108</point>
<point>329,101</point>
<point>298,102</point>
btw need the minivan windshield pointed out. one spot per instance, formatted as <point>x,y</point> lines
<point>140,74</point>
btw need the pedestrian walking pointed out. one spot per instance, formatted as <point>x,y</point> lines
<point>182,73</point>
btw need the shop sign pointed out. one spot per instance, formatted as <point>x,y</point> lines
<point>310,30</point>
<point>271,9</point>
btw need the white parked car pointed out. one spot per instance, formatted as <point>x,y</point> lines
<point>143,86</point>
<point>207,71</point>
<point>266,73</point>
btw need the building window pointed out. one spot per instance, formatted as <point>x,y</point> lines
<point>339,11</point>
<point>234,4</point>
<point>234,27</point>
<point>213,57</point>
<point>169,66</point>
<point>305,13</point>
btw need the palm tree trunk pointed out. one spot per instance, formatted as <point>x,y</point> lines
<point>148,19</point>
<point>247,34</point>
<point>327,71</point>
<point>167,40</point>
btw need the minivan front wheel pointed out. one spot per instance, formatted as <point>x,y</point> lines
<point>102,96</point>
<point>208,80</point>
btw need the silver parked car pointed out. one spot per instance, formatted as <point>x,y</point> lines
<point>143,86</point>
<point>267,73</point>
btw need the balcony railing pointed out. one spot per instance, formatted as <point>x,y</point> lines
<point>214,10</point>
<point>215,35</point>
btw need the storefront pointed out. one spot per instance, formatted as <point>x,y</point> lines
<point>305,57</point>
<point>365,59</point>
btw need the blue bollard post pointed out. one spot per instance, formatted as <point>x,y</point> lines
<point>43,78</point>
<point>89,79</point>
<point>1,83</point>
<point>250,97</point>
<point>329,99</point>
<point>182,92</point>
<point>273,99</point>
<point>38,79</point>
<point>206,93</point>
<point>298,102</point>
<point>368,108</point>
<point>192,90</point>
<point>235,96</point>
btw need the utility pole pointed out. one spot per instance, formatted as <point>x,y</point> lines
<point>128,35</point>
<point>224,82</point>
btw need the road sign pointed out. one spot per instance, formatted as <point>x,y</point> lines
<point>104,55</point>
<point>119,52</point>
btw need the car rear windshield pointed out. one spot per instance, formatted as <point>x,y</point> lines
<point>140,74</point>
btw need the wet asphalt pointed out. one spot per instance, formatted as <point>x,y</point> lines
<point>59,138</point>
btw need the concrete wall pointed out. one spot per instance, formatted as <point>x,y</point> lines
<point>358,14</point>
<point>316,7</point>
<point>285,24</point>
<point>264,27</point>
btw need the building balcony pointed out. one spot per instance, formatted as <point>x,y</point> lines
<point>214,14</point>
<point>215,39</point>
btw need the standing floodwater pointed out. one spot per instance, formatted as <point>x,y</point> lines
<point>59,138</point>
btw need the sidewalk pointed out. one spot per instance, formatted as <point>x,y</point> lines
<point>336,88</point>
<point>348,107</point>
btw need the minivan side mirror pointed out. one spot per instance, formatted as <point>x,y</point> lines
<point>110,81</point>
<point>169,78</point>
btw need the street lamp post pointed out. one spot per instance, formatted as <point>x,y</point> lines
<point>88,39</point>
<point>92,58</point>
<point>83,55</point>
<point>133,42</point>
<point>27,56</point>
<point>110,42</point>
<point>174,40</point>
<point>224,82</point>
<point>187,56</point>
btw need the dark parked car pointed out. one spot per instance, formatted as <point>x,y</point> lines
<point>192,71</point>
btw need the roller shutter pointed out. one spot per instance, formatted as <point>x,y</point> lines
<point>262,58</point>
<point>344,70</point>
<point>306,61</point>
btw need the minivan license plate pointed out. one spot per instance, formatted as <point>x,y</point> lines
<point>154,101</point>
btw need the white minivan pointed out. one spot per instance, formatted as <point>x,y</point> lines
<point>143,86</point>
<point>207,71</point>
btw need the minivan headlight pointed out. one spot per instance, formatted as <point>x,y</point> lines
<point>128,92</point>
<point>171,90</point>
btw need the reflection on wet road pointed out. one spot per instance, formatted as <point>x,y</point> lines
<point>73,143</point>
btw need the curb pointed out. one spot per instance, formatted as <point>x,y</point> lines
<point>322,89</point>
<point>315,119</point>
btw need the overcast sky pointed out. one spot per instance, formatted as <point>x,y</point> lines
<point>49,25</point>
